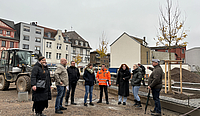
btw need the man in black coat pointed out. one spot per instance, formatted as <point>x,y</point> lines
<point>143,72</point>
<point>73,74</point>
<point>155,84</point>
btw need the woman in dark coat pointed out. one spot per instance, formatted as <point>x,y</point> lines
<point>123,77</point>
<point>89,78</point>
<point>40,96</point>
<point>136,82</point>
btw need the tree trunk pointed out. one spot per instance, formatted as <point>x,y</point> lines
<point>169,78</point>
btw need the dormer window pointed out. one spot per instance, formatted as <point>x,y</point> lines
<point>81,43</point>
<point>49,35</point>
<point>76,42</point>
<point>86,44</point>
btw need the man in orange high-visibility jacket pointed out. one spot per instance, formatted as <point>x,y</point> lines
<point>103,77</point>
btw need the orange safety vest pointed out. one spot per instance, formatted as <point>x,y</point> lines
<point>103,76</point>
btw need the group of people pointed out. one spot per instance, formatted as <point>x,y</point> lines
<point>68,78</point>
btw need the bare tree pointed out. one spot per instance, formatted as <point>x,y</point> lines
<point>171,30</point>
<point>103,45</point>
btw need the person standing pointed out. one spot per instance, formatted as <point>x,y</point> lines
<point>40,96</point>
<point>143,73</point>
<point>74,76</point>
<point>155,84</point>
<point>136,82</point>
<point>103,77</point>
<point>89,78</point>
<point>61,79</point>
<point>123,77</point>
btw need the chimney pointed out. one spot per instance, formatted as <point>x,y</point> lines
<point>65,31</point>
<point>36,23</point>
<point>144,39</point>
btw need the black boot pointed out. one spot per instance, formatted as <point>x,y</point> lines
<point>139,105</point>
<point>100,101</point>
<point>136,103</point>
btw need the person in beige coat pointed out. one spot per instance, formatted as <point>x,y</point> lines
<point>61,79</point>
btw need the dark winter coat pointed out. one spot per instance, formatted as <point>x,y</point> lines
<point>89,78</point>
<point>73,74</point>
<point>137,77</point>
<point>37,74</point>
<point>123,88</point>
<point>155,79</point>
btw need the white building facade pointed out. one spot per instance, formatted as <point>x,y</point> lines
<point>192,57</point>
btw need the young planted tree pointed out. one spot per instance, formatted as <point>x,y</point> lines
<point>103,43</point>
<point>77,59</point>
<point>171,30</point>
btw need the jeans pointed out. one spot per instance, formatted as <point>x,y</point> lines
<point>101,92</point>
<point>156,93</point>
<point>72,86</point>
<point>88,89</point>
<point>135,92</point>
<point>59,98</point>
<point>120,98</point>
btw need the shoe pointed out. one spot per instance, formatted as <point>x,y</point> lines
<point>139,105</point>
<point>42,115</point>
<point>99,101</point>
<point>156,114</point>
<point>136,103</point>
<point>107,102</point>
<point>66,103</point>
<point>91,104</point>
<point>63,108</point>
<point>124,103</point>
<point>58,112</point>
<point>85,104</point>
<point>73,103</point>
<point>119,103</point>
<point>152,111</point>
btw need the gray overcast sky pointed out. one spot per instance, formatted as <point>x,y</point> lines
<point>91,17</point>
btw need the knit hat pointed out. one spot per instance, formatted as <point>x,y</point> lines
<point>40,58</point>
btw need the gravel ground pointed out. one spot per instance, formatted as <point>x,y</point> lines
<point>9,106</point>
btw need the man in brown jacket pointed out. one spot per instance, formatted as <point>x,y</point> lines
<point>61,79</point>
<point>155,84</point>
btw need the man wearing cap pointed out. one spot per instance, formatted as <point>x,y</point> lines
<point>155,84</point>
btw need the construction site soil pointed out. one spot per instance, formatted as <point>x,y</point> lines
<point>187,76</point>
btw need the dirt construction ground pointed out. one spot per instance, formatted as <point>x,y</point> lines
<point>9,106</point>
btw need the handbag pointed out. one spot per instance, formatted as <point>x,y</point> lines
<point>41,84</point>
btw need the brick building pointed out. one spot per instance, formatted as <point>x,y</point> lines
<point>7,35</point>
<point>96,60</point>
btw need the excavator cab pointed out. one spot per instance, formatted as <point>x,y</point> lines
<point>15,66</point>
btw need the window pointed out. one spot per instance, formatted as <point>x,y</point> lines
<point>25,46</point>
<point>183,51</point>
<point>147,57</point>
<point>49,35</point>
<point>81,51</point>
<point>81,43</point>
<point>66,56</point>
<point>48,45</point>
<point>7,32</point>
<point>59,37</point>
<point>3,44</point>
<point>66,47</point>
<point>86,44</point>
<point>26,28</point>
<point>88,52</point>
<point>1,31</point>
<point>166,50</point>
<point>48,55</point>
<point>37,39</point>
<point>26,37</point>
<point>11,44</point>
<point>183,59</point>
<point>58,56</point>
<point>74,50</point>
<point>37,48</point>
<point>38,31</point>
<point>76,42</point>
<point>59,46</point>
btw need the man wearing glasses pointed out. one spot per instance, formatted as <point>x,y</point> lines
<point>73,74</point>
